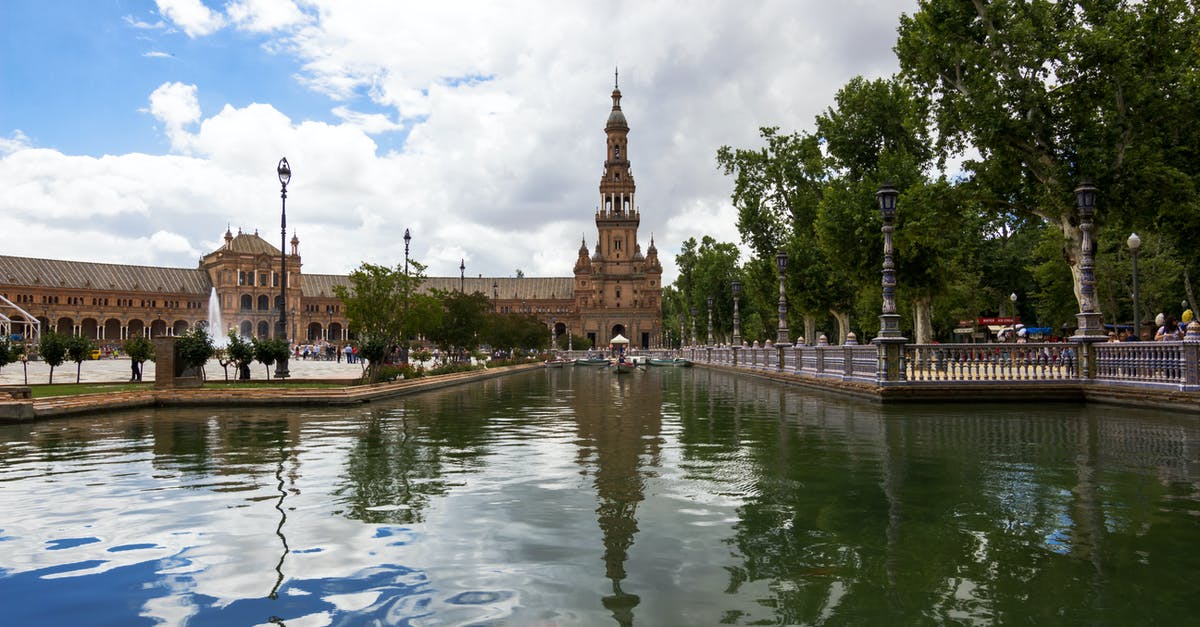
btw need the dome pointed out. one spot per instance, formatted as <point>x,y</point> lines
<point>616,118</point>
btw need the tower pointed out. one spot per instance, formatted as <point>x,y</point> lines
<point>618,290</point>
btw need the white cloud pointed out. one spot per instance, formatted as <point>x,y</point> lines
<point>500,109</point>
<point>196,19</point>
<point>138,24</point>
<point>155,54</point>
<point>265,15</point>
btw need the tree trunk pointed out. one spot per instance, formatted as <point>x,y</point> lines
<point>1073,252</point>
<point>922,319</point>
<point>810,327</point>
<point>843,324</point>
<point>78,371</point>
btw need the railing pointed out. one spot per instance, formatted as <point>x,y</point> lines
<point>1152,365</point>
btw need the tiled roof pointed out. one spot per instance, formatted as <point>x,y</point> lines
<point>101,276</point>
<point>251,243</point>
<point>535,288</point>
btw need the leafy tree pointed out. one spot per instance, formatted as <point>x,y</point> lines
<point>53,349</point>
<point>240,353</point>
<point>8,352</point>
<point>139,349</point>
<point>384,309</point>
<point>194,348</point>
<point>1049,93</point>
<point>79,349</point>
<point>267,351</point>
<point>462,318</point>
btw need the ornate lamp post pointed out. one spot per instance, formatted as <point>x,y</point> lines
<point>889,339</point>
<point>495,296</point>
<point>1088,317</point>
<point>1013,299</point>
<point>710,337</point>
<point>462,275</point>
<point>781,338</point>
<point>1134,242</point>
<point>407,239</point>
<point>693,326</point>
<point>737,320</point>
<point>285,176</point>
<point>889,320</point>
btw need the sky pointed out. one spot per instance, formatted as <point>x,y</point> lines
<point>137,131</point>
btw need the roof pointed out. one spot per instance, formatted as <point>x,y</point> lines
<point>252,244</point>
<point>101,276</point>
<point>507,288</point>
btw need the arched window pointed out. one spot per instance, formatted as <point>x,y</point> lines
<point>264,302</point>
<point>247,302</point>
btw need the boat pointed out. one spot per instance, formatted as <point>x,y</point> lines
<point>623,367</point>
<point>557,362</point>
<point>595,362</point>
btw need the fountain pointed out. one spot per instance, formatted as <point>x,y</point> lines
<point>216,329</point>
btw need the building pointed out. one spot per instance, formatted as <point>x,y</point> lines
<point>616,289</point>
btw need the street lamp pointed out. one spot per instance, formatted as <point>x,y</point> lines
<point>285,176</point>
<point>693,326</point>
<point>1089,318</point>
<point>495,297</point>
<point>407,239</point>
<point>462,275</point>
<point>889,320</point>
<point>1134,242</point>
<point>781,338</point>
<point>710,337</point>
<point>737,321</point>
<point>1013,299</point>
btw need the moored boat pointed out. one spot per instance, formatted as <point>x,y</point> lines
<point>593,362</point>
<point>557,362</point>
<point>623,367</point>
<point>680,362</point>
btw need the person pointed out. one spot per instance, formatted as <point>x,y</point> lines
<point>1169,331</point>
<point>136,374</point>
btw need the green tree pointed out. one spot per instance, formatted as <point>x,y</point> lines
<point>463,316</point>
<point>384,309</point>
<point>53,349</point>
<point>8,352</point>
<point>139,349</point>
<point>267,351</point>
<point>240,353</point>
<point>1049,93</point>
<point>79,349</point>
<point>194,348</point>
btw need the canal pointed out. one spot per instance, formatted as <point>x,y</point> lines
<point>578,497</point>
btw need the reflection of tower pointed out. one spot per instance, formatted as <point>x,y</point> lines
<point>619,420</point>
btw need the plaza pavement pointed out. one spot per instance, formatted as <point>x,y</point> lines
<point>116,370</point>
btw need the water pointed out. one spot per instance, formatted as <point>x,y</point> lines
<point>216,328</point>
<point>575,497</point>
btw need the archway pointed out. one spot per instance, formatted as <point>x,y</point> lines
<point>618,329</point>
<point>264,302</point>
<point>135,328</point>
<point>335,332</point>
<point>180,327</point>
<point>89,328</point>
<point>65,326</point>
<point>158,328</point>
<point>314,331</point>
<point>246,329</point>
<point>264,329</point>
<point>112,329</point>
<point>247,302</point>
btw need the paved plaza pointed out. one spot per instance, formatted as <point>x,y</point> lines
<point>114,370</point>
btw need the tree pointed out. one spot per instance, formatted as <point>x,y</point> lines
<point>1049,93</point>
<point>194,348</point>
<point>463,315</point>
<point>139,349</point>
<point>53,349</point>
<point>240,354</point>
<point>79,348</point>
<point>267,351</point>
<point>383,309</point>
<point>8,352</point>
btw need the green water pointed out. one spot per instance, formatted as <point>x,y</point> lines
<point>578,497</point>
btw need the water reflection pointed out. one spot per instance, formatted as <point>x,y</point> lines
<point>578,497</point>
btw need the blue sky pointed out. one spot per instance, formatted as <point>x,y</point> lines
<point>133,131</point>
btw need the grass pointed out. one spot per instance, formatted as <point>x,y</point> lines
<point>44,390</point>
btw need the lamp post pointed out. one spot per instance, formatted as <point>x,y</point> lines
<point>781,338</point>
<point>710,337</point>
<point>1089,318</point>
<point>889,320</point>
<point>1134,242</point>
<point>462,275</point>
<point>693,326</point>
<point>407,239</point>
<point>1012,298</point>
<point>737,320</point>
<point>285,176</point>
<point>495,297</point>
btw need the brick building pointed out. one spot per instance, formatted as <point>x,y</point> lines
<point>615,289</point>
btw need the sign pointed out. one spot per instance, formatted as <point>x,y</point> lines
<point>1000,320</point>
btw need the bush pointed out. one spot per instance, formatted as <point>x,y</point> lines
<point>194,348</point>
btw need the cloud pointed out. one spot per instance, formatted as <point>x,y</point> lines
<point>16,141</point>
<point>192,16</point>
<point>176,106</point>
<point>136,23</point>
<point>155,54</point>
<point>371,123</point>
<point>265,15</point>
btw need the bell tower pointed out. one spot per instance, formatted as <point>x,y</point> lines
<point>618,290</point>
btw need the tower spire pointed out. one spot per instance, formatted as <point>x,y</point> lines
<point>616,83</point>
